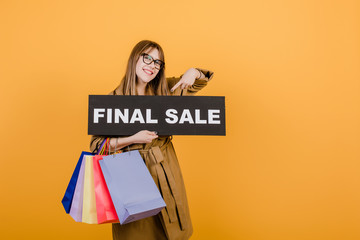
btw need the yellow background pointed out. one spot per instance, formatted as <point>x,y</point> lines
<point>288,168</point>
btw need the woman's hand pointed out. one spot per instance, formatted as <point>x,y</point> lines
<point>187,79</point>
<point>143,136</point>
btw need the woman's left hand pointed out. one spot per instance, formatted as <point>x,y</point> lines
<point>187,79</point>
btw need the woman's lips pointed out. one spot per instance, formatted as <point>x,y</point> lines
<point>148,72</point>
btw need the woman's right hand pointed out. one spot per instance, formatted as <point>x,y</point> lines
<point>144,136</point>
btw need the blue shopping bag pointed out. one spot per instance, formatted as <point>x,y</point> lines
<point>69,193</point>
<point>132,189</point>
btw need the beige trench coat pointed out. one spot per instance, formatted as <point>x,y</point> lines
<point>173,222</point>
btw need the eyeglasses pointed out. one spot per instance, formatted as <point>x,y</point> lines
<point>149,59</point>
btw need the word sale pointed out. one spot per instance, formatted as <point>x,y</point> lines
<point>172,116</point>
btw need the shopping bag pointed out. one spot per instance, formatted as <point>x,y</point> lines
<point>89,203</point>
<point>132,189</point>
<point>69,193</point>
<point>77,202</point>
<point>104,206</point>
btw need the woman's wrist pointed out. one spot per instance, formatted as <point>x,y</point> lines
<point>199,73</point>
<point>120,142</point>
<point>113,142</point>
<point>131,139</point>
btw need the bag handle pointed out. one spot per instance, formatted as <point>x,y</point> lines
<point>103,147</point>
<point>106,148</point>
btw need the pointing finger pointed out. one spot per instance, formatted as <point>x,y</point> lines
<point>176,86</point>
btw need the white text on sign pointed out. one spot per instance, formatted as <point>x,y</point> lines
<point>172,116</point>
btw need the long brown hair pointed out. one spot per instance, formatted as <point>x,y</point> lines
<point>157,86</point>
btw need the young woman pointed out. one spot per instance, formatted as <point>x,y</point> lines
<point>145,75</point>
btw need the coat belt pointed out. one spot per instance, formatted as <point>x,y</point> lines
<point>161,172</point>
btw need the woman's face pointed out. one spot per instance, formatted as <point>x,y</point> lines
<point>144,72</point>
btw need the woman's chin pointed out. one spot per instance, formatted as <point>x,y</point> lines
<point>146,79</point>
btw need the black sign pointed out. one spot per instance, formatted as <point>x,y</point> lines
<point>167,115</point>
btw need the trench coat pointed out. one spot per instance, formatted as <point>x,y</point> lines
<point>173,222</point>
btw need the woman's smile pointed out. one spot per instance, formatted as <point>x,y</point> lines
<point>148,71</point>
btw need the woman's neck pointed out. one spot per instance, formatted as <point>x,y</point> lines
<point>141,88</point>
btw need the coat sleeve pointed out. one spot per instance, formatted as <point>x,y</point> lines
<point>197,86</point>
<point>95,143</point>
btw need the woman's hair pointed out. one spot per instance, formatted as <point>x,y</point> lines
<point>157,86</point>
